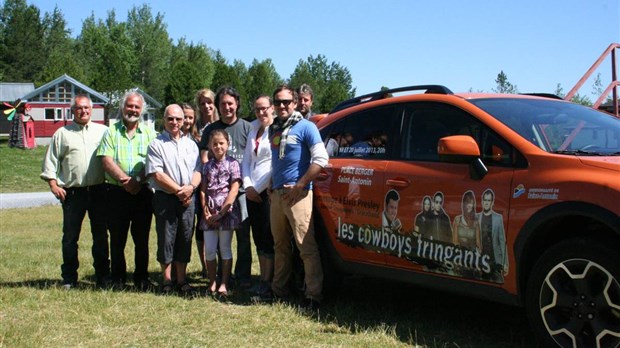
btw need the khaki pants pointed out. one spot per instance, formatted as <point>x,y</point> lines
<point>295,221</point>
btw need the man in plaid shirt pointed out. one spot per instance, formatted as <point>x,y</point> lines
<point>123,153</point>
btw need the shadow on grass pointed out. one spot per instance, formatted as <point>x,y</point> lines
<point>425,317</point>
<point>41,284</point>
<point>414,315</point>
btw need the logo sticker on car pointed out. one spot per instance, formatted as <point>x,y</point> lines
<point>519,190</point>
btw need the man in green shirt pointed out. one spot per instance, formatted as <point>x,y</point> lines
<point>123,153</point>
<point>75,177</point>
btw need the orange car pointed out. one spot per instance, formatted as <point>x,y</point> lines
<point>511,198</point>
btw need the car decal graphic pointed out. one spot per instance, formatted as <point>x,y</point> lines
<point>471,245</point>
<point>519,190</point>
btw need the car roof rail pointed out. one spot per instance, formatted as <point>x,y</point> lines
<point>437,89</point>
<point>544,95</point>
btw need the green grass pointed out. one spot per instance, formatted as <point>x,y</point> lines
<point>20,169</point>
<point>36,312</point>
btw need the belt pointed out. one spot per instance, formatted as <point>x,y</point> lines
<point>284,190</point>
<point>164,193</point>
<point>84,188</point>
<point>111,185</point>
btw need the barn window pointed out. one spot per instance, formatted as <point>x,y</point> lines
<point>53,114</point>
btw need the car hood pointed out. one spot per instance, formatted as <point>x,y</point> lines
<point>608,162</point>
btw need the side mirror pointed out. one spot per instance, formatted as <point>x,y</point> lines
<point>462,149</point>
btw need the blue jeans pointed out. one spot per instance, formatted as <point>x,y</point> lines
<point>77,202</point>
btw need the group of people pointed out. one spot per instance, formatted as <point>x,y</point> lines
<point>483,231</point>
<point>209,173</point>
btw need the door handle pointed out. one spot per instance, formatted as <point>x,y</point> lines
<point>322,176</point>
<point>397,182</point>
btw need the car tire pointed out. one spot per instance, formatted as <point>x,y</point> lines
<point>573,295</point>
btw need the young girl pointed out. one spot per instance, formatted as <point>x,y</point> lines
<point>221,214</point>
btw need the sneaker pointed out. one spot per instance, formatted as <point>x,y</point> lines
<point>186,289</point>
<point>69,286</point>
<point>146,286</point>
<point>167,289</point>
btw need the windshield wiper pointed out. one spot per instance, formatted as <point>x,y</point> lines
<point>581,153</point>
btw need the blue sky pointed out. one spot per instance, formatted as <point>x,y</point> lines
<point>460,44</point>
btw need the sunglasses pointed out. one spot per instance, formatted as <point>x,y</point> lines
<point>285,102</point>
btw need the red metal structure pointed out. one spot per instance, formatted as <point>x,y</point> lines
<point>612,86</point>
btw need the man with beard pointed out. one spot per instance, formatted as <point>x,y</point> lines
<point>305,96</point>
<point>123,151</point>
<point>297,156</point>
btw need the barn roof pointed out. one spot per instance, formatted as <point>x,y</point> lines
<point>43,93</point>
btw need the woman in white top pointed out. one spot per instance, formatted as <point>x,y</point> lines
<point>256,173</point>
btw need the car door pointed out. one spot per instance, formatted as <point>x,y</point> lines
<point>348,191</point>
<point>451,224</point>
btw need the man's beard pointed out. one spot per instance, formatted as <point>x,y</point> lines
<point>131,119</point>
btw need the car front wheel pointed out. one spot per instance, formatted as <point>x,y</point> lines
<point>573,295</point>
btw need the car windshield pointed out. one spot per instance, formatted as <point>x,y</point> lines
<point>557,126</point>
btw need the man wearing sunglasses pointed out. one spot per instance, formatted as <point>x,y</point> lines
<point>298,154</point>
<point>173,164</point>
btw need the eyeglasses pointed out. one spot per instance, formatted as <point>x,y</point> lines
<point>285,102</point>
<point>262,108</point>
<point>172,119</point>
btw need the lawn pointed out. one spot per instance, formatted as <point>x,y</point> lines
<point>20,169</point>
<point>35,311</point>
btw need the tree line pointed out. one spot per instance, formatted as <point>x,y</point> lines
<point>111,56</point>
<point>504,86</point>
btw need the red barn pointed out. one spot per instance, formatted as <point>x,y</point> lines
<point>50,106</point>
